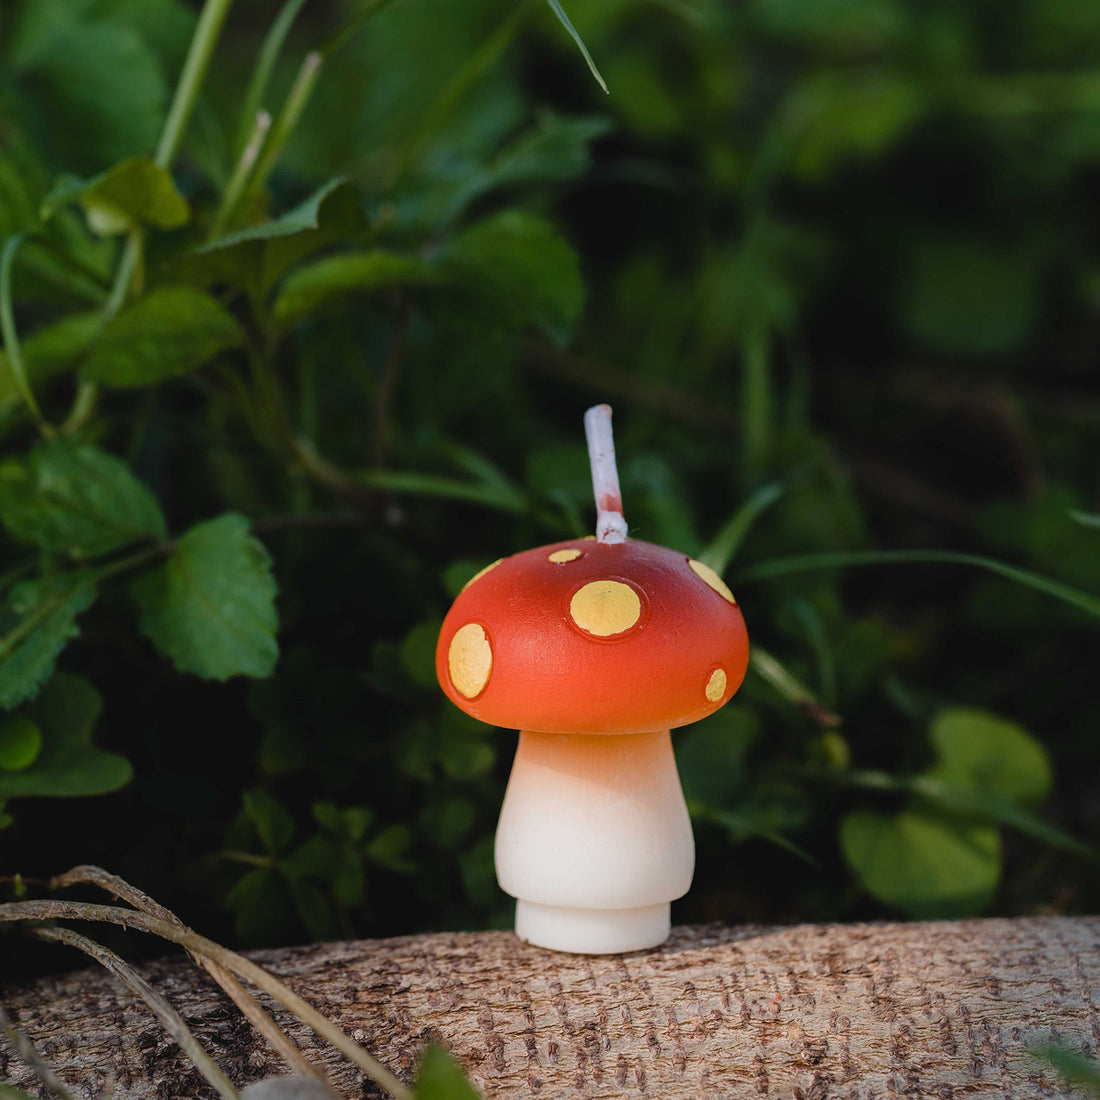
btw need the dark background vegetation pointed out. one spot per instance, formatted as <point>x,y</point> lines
<point>836,264</point>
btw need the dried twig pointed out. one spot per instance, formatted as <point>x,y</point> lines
<point>143,922</point>
<point>31,1056</point>
<point>171,1020</point>
<point>297,1062</point>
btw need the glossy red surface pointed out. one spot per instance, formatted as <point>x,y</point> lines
<point>549,675</point>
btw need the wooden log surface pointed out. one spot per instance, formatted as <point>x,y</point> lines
<point>944,1010</point>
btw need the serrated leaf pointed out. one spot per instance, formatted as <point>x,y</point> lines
<point>441,1078</point>
<point>20,743</point>
<point>211,607</point>
<point>68,765</point>
<point>36,621</point>
<point>68,498</point>
<point>256,257</point>
<point>925,866</point>
<point>518,271</point>
<point>273,822</point>
<point>168,332</point>
<point>50,351</point>
<point>988,755</point>
<point>312,286</point>
<point>132,193</point>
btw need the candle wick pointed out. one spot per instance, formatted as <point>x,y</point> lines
<point>610,524</point>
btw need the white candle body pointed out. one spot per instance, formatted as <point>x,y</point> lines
<point>594,840</point>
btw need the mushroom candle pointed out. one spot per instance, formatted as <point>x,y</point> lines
<point>594,649</point>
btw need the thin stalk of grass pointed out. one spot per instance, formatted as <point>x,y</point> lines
<point>203,43</point>
<point>242,172</point>
<point>790,687</point>
<point>803,563</point>
<point>272,46</point>
<point>287,119</point>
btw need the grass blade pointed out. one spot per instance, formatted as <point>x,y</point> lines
<point>559,11</point>
<point>782,567</point>
<point>722,548</point>
<point>743,826</point>
<point>7,328</point>
<point>790,687</point>
<point>959,800</point>
<point>261,74</point>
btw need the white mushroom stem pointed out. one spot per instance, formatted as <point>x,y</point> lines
<point>610,524</point>
<point>594,840</point>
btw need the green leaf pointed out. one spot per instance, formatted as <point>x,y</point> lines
<point>418,653</point>
<point>350,883</point>
<point>20,743</point>
<point>559,11</point>
<point>68,765</point>
<point>273,822</point>
<point>925,866</point>
<point>263,902</point>
<point>36,622</point>
<point>133,193</point>
<point>310,287</point>
<point>555,149</point>
<point>168,332</point>
<point>441,1078</point>
<point>518,271</point>
<point>68,498</point>
<point>258,256</point>
<point>448,821</point>
<point>10,1092</point>
<point>99,88</point>
<point>211,606</point>
<point>48,352</point>
<point>1074,1068</point>
<point>711,755</point>
<point>355,821</point>
<point>986,754</point>
<point>389,849</point>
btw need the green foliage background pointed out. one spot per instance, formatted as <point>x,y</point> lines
<point>266,404</point>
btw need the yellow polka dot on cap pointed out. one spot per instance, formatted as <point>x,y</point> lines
<point>605,608</point>
<point>716,685</point>
<point>470,660</point>
<point>708,576</point>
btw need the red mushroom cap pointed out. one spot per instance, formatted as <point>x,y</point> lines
<point>591,637</point>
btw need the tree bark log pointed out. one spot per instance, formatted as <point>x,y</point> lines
<point>943,1010</point>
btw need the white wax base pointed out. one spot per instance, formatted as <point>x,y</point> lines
<point>593,931</point>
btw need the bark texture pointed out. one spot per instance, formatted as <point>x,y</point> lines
<point>943,1010</point>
